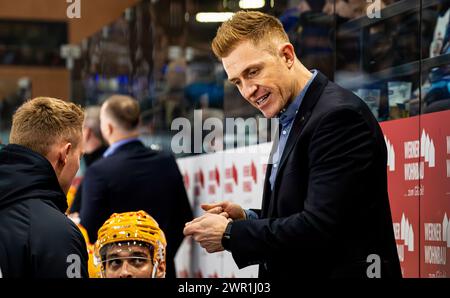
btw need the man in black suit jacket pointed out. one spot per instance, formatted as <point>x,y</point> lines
<point>132,177</point>
<point>325,209</point>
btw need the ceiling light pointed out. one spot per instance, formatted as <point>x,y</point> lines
<point>246,4</point>
<point>213,17</point>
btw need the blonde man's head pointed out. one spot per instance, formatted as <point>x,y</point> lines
<point>43,121</point>
<point>253,26</point>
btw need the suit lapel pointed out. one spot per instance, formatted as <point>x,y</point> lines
<point>312,95</point>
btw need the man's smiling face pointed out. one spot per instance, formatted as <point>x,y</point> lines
<point>261,77</point>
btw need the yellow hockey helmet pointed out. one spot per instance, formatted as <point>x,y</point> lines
<point>93,269</point>
<point>133,226</point>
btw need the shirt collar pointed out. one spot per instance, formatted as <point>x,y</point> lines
<point>287,114</point>
<point>114,146</point>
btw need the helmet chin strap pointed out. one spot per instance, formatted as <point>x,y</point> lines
<point>155,269</point>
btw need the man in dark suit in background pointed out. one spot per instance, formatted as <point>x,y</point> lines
<point>325,209</point>
<point>132,177</point>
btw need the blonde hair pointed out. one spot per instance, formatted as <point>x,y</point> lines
<point>41,122</point>
<point>251,26</point>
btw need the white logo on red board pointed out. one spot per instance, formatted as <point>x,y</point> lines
<point>427,149</point>
<point>415,150</point>
<point>407,233</point>
<point>446,230</point>
<point>390,154</point>
<point>404,232</point>
<point>437,238</point>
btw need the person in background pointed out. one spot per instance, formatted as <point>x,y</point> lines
<point>133,177</point>
<point>93,148</point>
<point>36,169</point>
<point>131,245</point>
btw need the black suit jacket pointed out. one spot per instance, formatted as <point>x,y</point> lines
<point>329,209</point>
<point>137,178</point>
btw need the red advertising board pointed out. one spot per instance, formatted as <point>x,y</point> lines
<point>402,142</point>
<point>419,192</point>
<point>435,200</point>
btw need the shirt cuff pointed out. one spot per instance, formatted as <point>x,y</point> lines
<point>249,214</point>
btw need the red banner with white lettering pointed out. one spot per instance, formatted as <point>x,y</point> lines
<point>419,192</point>
<point>435,200</point>
<point>403,170</point>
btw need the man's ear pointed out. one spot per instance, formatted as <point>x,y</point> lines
<point>161,273</point>
<point>63,153</point>
<point>287,53</point>
<point>110,128</point>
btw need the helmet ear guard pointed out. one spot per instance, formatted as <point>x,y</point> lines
<point>155,269</point>
<point>159,251</point>
<point>132,226</point>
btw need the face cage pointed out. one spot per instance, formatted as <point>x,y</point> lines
<point>102,261</point>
